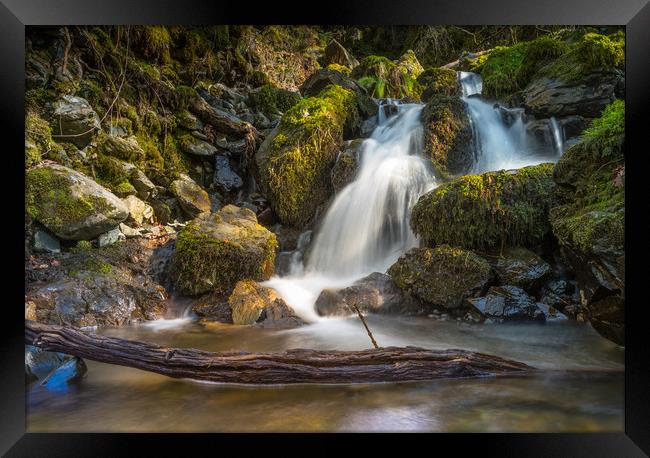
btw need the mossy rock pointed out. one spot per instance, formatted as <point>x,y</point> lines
<point>38,139</point>
<point>215,251</point>
<point>271,100</point>
<point>589,220</point>
<point>442,276</point>
<point>193,199</point>
<point>336,54</point>
<point>294,162</point>
<point>438,81</point>
<point>70,204</point>
<point>127,149</point>
<point>340,68</point>
<point>491,210</point>
<point>447,135</point>
<point>74,118</point>
<point>382,77</point>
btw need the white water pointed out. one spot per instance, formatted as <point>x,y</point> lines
<point>500,137</point>
<point>366,228</point>
<point>558,136</point>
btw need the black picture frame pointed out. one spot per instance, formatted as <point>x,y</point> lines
<point>635,14</point>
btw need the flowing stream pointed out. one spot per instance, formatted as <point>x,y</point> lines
<point>365,229</point>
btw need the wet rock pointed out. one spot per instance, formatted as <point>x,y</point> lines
<point>192,198</point>
<point>216,250</point>
<point>213,307</point>
<point>545,97</point>
<point>225,177</point>
<point>74,116</point>
<point>278,315</point>
<point>607,316</point>
<point>507,303</point>
<point>39,363</point>
<point>70,204</point>
<point>249,299</point>
<point>441,276</point>
<point>520,267</point>
<point>139,211</point>
<point>73,369</point>
<point>335,53</point>
<point>44,242</point>
<point>110,237</point>
<point>551,313</point>
<point>376,293</point>
<point>368,126</point>
<point>346,165</point>
<point>447,135</point>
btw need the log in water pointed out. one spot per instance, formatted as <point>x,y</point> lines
<point>390,364</point>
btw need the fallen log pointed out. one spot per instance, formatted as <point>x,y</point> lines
<point>456,63</point>
<point>390,364</point>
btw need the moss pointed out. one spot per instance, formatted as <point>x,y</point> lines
<point>592,201</point>
<point>447,135</point>
<point>592,52</point>
<point>607,133</point>
<point>295,171</point>
<point>271,100</point>
<point>213,253</point>
<point>443,276</point>
<point>485,211</point>
<point>499,69</point>
<point>125,189</point>
<point>110,171</point>
<point>38,136</point>
<point>438,81</point>
<point>382,77</point>
<point>155,42</point>
<point>49,200</point>
<point>340,68</point>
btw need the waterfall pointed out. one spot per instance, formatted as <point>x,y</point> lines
<point>366,228</point>
<point>500,137</point>
<point>558,136</point>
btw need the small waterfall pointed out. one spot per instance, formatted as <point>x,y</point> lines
<point>558,136</point>
<point>366,228</point>
<point>500,138</point>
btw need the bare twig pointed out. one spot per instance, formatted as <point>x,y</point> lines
<point>365,325</point>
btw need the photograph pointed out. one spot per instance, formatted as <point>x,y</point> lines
<point>324,228</point>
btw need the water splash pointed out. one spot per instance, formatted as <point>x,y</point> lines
<point>366,228</point>
<point>500,137</point>
<point>558,136</point>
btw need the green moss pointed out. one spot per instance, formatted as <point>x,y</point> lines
<point>271,100</point>
<point>447,135</point>
<point>49,200</point>
<point>438,81</point>
<point>382,77</point>
<point>156,42</point>
<point>607,133</point>
<point>109,171</point>
<point>499,69</point>
<point>494,209</point>
<point>38,136</point>
<point>296,169</point>
<point>125,189</point>
<point>207,260</point>
<point>340,68</point>
<point>592,52</point>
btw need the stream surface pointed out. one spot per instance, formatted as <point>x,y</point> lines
<point>582,391</point>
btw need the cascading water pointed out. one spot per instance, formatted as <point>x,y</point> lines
<point>501,140</point>
<point>366,228</point>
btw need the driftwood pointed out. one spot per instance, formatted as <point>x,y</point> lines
<point>390,364</point>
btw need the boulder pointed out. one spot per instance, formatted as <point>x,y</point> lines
<point>196,147</point>
<point>213,307</point>
<point>39,363</point>
<point>447,135</point>
<point>225,178</point>
<point>491,210</point>
<point>335,53</point>
<point>607,316</point>
<point>143,185</point>
<point>192,197</point>
<point>376,293</point>
<point>507,303</point>
<point>44,242</point>
<point>139,212</point>
<point>520,267</point>
<point>214,251</point>
<point>252,303</point>
<point>442,276</point>
<point>324,77</point>
<point>68,372</point>
<point>439,81</point>
<point>126,149</point>
<point>74,116</point>
<point>110,237</point>
<point>70,204</point>
<point>347,163</point>
<point>295,160</point>
<point>587,97</point>
<point>96,293</point>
